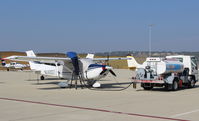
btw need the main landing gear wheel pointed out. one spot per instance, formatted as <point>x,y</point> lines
<point>42,77</point>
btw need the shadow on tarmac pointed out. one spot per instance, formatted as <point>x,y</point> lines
<point>45,79</point>
<point>118,85</point>
<point>2,82</point>
<point>162,89</point>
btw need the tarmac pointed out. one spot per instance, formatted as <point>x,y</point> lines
<point>24,98</point>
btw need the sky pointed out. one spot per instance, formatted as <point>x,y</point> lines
<point>99,25</point>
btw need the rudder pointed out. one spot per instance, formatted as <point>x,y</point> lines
<point>32,64</point>
<point>132,63</point>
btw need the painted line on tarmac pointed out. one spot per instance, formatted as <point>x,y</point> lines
<point>186,113</point>
<point>92,109</point>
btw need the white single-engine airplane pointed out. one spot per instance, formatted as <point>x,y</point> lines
<point>13,65</point>
<point>70,67</point>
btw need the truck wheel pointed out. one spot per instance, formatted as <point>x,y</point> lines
<point>175,86</point>
<point>169,87</point>
<point>192,83</point>
<point>42,77</point>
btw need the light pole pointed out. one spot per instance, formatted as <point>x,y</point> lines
<point>150,27</point>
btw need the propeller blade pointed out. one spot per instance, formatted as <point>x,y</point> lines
<point>112,72</point>
<point>103,71</point>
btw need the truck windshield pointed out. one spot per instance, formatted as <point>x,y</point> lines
<point>194,62</point>
<point>179,59</point>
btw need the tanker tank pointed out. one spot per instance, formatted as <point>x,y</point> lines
<point>169,66</point>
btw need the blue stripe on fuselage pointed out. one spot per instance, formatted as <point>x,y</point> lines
<point>92,66</point>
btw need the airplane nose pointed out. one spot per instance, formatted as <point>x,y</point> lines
<point>108,67</point>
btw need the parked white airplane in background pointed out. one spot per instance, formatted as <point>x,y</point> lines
<point>13,65</point>
<point>66,68</point>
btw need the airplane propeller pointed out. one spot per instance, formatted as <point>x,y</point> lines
<point>103,71</point>
<point>108,68</point>
<point>113,73</point>
<point>107,60</point>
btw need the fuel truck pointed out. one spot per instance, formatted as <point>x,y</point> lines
<point>171,72</point>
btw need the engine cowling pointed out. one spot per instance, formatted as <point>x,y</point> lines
<point>93,74</point>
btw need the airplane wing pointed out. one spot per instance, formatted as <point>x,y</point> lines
<point>105,59</point>
<point>44,60</point>
<point>40,59</point>
<point>53,59</point>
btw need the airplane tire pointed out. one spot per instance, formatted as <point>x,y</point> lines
<point>90,83</point>
<point>42,77</point>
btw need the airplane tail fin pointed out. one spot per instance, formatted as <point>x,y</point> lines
<point>30,53</point>
<point>132,63</point>
<point>32,64</point>
<point>90,56</point>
